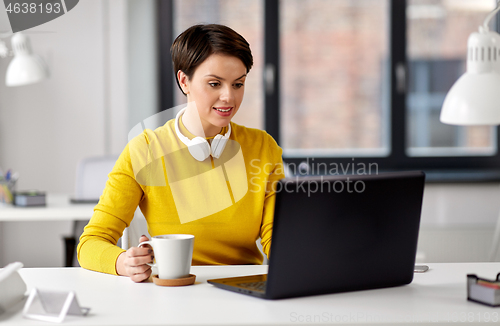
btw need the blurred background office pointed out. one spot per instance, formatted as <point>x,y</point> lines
<point>338,83</point>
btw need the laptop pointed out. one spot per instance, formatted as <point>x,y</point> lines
<point>339,233</point>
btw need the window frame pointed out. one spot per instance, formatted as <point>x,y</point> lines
<point>437,168</point>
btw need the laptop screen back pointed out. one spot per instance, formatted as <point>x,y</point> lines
<point>344,233</point>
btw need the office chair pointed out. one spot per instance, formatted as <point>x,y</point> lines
<point>91,176</point>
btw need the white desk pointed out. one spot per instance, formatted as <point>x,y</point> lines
<point>437,296</point>
<point>58,208</point>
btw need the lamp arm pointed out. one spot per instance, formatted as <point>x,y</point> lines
<point>490,16</point>
<point>4,51</point>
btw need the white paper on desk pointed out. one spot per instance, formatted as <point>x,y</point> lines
<point>52,306</point>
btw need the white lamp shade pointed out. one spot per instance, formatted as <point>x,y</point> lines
<point>474,99</point>
<point>25,69</point>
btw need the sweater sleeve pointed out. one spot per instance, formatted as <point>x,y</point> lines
<point>277,173</point>
<point>97,249</point>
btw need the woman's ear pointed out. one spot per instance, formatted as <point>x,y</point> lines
<point>183,81</point>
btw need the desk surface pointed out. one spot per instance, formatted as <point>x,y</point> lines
<point>438,295</point>
<point>58,208</point>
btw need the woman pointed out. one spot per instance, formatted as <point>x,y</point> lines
<point>198,174</point>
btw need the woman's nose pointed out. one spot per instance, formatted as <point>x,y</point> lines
<point>227,94</point>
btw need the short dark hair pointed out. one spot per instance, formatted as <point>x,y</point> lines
<point>198,42</point>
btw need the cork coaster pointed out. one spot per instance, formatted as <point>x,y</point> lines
<point>175,282</point>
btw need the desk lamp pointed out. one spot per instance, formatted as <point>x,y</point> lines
<point>474,99</point>
<point>25,68</point>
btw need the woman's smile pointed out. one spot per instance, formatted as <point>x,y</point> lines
<point>223,111</point>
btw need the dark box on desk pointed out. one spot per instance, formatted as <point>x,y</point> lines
<point>486,294</point>
<point>29,198</point>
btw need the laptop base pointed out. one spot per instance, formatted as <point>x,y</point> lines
<point>236,284</point>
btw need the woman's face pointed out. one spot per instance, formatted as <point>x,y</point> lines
<point>217,88</point>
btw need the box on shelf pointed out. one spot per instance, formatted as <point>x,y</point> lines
<point>29,198</point>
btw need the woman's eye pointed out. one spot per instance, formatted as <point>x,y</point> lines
<point>214,84</point>
<point>239,85</point>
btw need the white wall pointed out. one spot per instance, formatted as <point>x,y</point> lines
<point>82,110</point>
<point>458,222</point>
<point>142,47</point>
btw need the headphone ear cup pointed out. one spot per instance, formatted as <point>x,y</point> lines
<point>199,148</point>
<point>218,145</point>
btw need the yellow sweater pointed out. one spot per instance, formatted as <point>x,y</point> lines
<point>226,203</point>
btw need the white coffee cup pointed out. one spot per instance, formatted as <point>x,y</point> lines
<point>173,254</point>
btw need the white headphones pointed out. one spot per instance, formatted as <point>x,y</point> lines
<point>199,147</point>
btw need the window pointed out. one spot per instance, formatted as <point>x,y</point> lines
<point>437,46</point>
<point>355,81</point>
<point>334,83</point>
